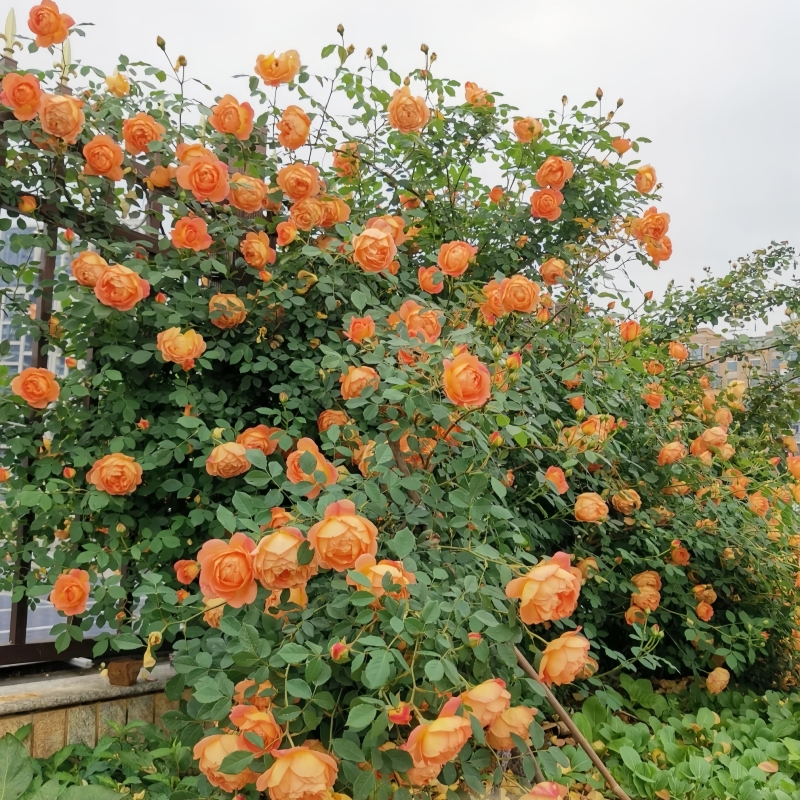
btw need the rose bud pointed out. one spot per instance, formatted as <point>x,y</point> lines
<point>514,361</point>
<point>495,439</point>
<point>459,349</point>
<point>69,235</point>
<point>69,473</point>
<point>26,204</point>
<point>71,362</point>
<point>161,298</point>
<point>400,714</point>
<point>474,639</point>
<point>143,424</point>
<point>340,652</point>
<point>4,475</point>
<point>182,595</point>
<point>265,275</point>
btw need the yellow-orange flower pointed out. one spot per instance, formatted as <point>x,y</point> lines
<point>374,249</point>
<point>37,386</point>
<point>546,204</point>
<point>467,382</point>
<point>206,178</point>
<point>139,131</point>
<point>629,330</point>
<point>299,774</point>
<point>226,570</point>
<point>115,474</point>
<point>227,460</point>
<point>296,474</point>
<point>256,250</point>
<point>589,507</point>
<point>552,271</point>
<point>331,417</point>
<point>260,438</point>
<point>275,560</point>
<point>515,720</point>
<point>356,380</point>
<point>518,293</point>
<point>374,571</point>
<point>563,659</point>
<point>621,145</point>
<point>360,328</point>
<point>717,681</point>
<point>247,193</point>
<point>120,288</point>
<point>476,96</point>
<point>342,536</point>
<point>454,257</point>
<point>435,743</point>
<point>103,157</point>
<point>191,233</point>
<point>232,117</point>
<point>275,70</point>
<point>651,226</point>
<point>554,173</point>
<point>48,24</point>
<point>226,311</point>
<point>527,129</point>
<point>180,348</point>
<point>487,701</point>
<point>645,179</point>
<point>286,233</point>
<point>294,127</point>
<point>407,114</point>
<point>670,453</point>
<point>548,592</point>
<point>427,277</point>
<point>626,501</point>
<point>70,592</point>
<point>210,753</point>
<point>22,94</point>
<point>118,84</point>
<point>61,116</point>
<point>298,181</point>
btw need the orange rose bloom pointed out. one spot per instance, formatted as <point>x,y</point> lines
<point>635,616</point>
<point>554,173</point>
<point>670,453</point>
<point>427,277</point>
<point>717,681</point>
<point>38,387</point>
<point>331,417</point>
<point>645,180</point>
<point>228,460</point>
<point>621,145</point>
<point>334,210</point>
<point>275,560</point>
<point>563,659</point>
<point>467,382</point>
<point>589,507</point>
<point>648,578</point>
<point>552,271</point>
<point>307,214</point>
<point>647,598</point>
<point>186,153</point>
<point>345,160</point>
<point>211,752</point>
<point>374,571</point>
<point>548,592</point>
<point>357,379</point>
<point>704,611</point>
<point>232,117</point>
<point>627,501</point>
<point>758,504</point>
<point>374,249</point>
<point>279,518</point>
<point>61,116</point>
<point>723,417</point>
<point>407,114</point>
<point>160,177</point>
<point>651,226</point>
<point>248,719</point>
<point>297,597</point>
<point>256,250</point>
<point>714,437</point>
<point>679,555</point>
<point>299,774</point>
<point>294,127</point>
<point>226,570</point>
<point>48,24</point>
<point>247,193</point>
<point>226,311</point>
<point>103,157</point>
<point>514,720</point>
<point>115,474</point>
<point>454,258</point>
<point>793,465</point>
<point>287,232</point>
<point>487,701</point>
<point>518,293</point>
<point>678,351</point>
<point>70,592</point>
<point>22,94</point>
<point>191,233</point>
<point>360,328</point>
<point>180,348</point>
<point>393,225</point>
<point>258,698</point>
<point>120,288</point>
<point>26,204</point>
<point>118,85</point>
<point>629,330</point>
<point>527,129</point>
<point>546,204</point>
<point>424,323</point>
<point>475,96</point>
<point>139,131</point>
<point>260,438</point>
<point>435,743</point>
<point>422,776</point>
<point>206,178</point>
<point>297,181</point>
<point>275,70</point>
<point>556,477</point>
<point>296,474</point>
<point>342,536</point>
<point>186,571</point>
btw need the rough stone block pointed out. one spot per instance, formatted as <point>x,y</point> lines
<point>161,705</point>
<point>141,708</point>
<point>82,725</point>
<point>113,711</point>
<point>49,732</point>
<point>13,724</point>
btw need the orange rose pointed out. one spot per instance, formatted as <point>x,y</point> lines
<point>652,226</point>
<point>723,417</point>
<point>374,571</point>
<point>374,249</point>
<point>160,177</point>
<point>467,382</point>
<point>232,117</point>
<point>38,387</point>
<point>334,210</point>
<point>758,504</point>
<point>514,720</point>
<point>299,774</point>
<point>260,438</point>
<point>205,178</point>
<point>295,469</point>
<point>554,173</point>
<point>118,85</point>
<point>519,293</point>
<point>407,114</point>
<point>424,323</point>
<point>454,257</point>
<point>360,328</point>
<point>475,96</point>
<point>70,592</point>
<point>345,160</point>
<point>546,204</point>
<point>659,249</point>
<point>120,288</point>
<point>527,129</point>
<point>186,571</point>
<point>256,250</point>
<point>227,460</point>
<point>714,437</point>
<point>180,348</point>
<point>548,592</point>
<point>793,465</point>
<point>621,145</point>
<point>297,181</point>
<point>393,225</point>
<point>261,698</point>
<point>555,475</point>
<point>647,598</point>
<point>191,233</point>
<point>248,719</point>
<point>589,507</point>
<point>307,214</point>
<point>26,204</point>
<point>704,611</point>
<point>226,570</point>
<point>213,613</point>
<point>357,379</point>
<point>635,616</point>
<point>563,659</point>
<point>487,701</point>
<point>423,776</point>
<point>115,474</point>
<point>648,578</point>
<point>22,94</point>
<point>342,536</point>
<point>629,330</point>
<point>717,681</point>
<point>247,193</point>
<point>275,561</point>
<point>428,277</point>
<point>670,453</point>
<point>297,597</point>
<point>49,24</point>
<point>103,157</point>
<point>186,153</point>
<point>645,179</point>
<point>331,417</point>
<point>287,233</point>
<point>294,127</point>
<point>61,116</point>
<point>226,311</point>
<point>210,753</point>
<point>139,131</point>
<point>627,501</point>
<point>549,790</point>
<point>552,271</point>
<point>678,555</point>
<point>275,70</point>
<point>279,518</point>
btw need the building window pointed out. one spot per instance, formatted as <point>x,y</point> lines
<point>733,366</point>
<point>713,350</point>
<point>696,352</point>
<point>776,362</point>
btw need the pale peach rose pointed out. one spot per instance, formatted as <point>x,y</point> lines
<point>647,598</point>
<point>226,570</point>
<point>275,70</point>
<point>554,173</point>
<point>717,681</point>
<point>487,701</point>
<point>342,536</point>
<point>48,24</point>
<point>548,592</point>
<point>758,504</point>
<point>331,417</point>
<point>299,774</point>
<point>260,438</point>
<point>645,179</point>
<point>191,233</point>
<point>374,249</point>
<point>407,114</point>
<point>115,474</point>
<point>261,697</point>
<point>22,94</point>
<point>552,271</point>
<point>295,473</point>
<point>435,743</point>
<point>286,233</point>
<point>294,127</point>
<point>518,293</point>
<point>298,181</point>
<point>651,226</point>
<point>428,277</point>
<point>527,129</point>
<point>670,453</point>
<point>212,615</point>
<point>423,776</point>
<point>466,381</point>
<point>714,437</point>
<point>256,250</point>
<point>514,720</point>
<point>275,560</point>
<point>454,257</point>
<point>186,153</point>
<point>232,117</point>
<point>723,417</point>
<point>180,348</point>
<point>374,572</point>
<point>227,460</point>
<point>70,592</point>
<point>279,518</point>
<point>393,225</point>
<point>563,658</point>
<point>307,213</point>
<point>626,501</point>
<point>555,475</point>
<point>297,597</point>
<point>121,288</point>
<point>37,386</point>
<point>226,311</point>
<point>248,719</point>
<point>186,571</point>
<point>360,328</point>
<point>334,211</point>
<point>61,116</point>
<point>678,351</point>
<point>475,96</point>
<point>210,753</point>
<point>139,131</point>
<point>118,84</point>
<point>357,379</point>
<point>103,157</point>
<point>589,507</point>
<point>621,145</point>
<point>246,192</point>
<point>546,204</point>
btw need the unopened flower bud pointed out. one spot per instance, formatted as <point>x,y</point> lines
<point>497,350</point>
<point>406,81</point>
<point>433,57</point>
<point>620,102</point>
<point>142,424</point>
<point>160,42</point>
<point>121,528</point>
<point>181,62</point>
<point>514,361</point>
<point>350,50</point>
<point>563,100</point>
<point>68,473</point>
<point>424,48</point>
<point>369,52</point>
<point>400,714</point>
<point>69,235</point>
<point>495,439</point>
<point>599,93</point>
<point>283,397</point>
<point>216,433</point>
<point>340,29</point>
<point>648,295</point>
<point>580,413</point>
<point>474,639</point>
<point>340,652</point>
<point>71,362</point>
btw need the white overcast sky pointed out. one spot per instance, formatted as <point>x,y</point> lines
<point>713,83</point>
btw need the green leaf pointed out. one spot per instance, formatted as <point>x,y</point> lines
<point>47,791</point>
<point>293,653</point>
<point>348,751</point>
<point>305,555</point>
<point>235,762</point>
<point>299,688</point>
<point>361,716</point>
<point>226,518</point>
<point>89,793</point>
<point>364,785</point>
<point>377,671</point>
<point>403,543</point>
<point>16,771</point>
<point>629,757</point>
<point>434,670</point>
